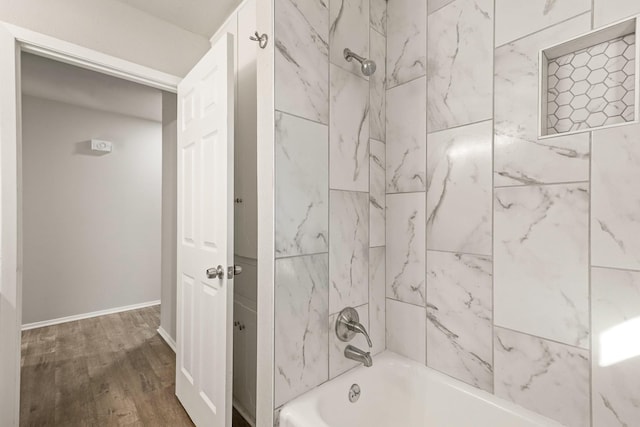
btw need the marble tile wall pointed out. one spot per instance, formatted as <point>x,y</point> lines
<point>512,263</point>
<point>330,186</point>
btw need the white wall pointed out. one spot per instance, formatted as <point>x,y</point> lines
<point>91,222</point>
<point>110,27</point>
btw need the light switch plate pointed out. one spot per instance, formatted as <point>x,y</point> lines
<point>98,145</point>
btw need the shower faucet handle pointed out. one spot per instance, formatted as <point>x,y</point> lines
<point>348,324</point>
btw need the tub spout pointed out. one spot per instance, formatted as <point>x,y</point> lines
<point>354,353</point>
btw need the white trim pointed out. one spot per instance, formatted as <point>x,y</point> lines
<point>238,407</point>
<point>62,51</point>
<point>167,338</point>
<point>265,86</point>
<point>222,28</point>
<point>82,316</point>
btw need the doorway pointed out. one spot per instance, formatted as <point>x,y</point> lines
<point>98,197</point>
<point>101,363</point>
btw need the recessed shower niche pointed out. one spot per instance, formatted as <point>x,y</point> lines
<point>590,82</point>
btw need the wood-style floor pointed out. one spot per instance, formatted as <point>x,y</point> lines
<point>112,370</point>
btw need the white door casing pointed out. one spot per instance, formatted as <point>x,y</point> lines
<point>205,237</point>
<point>10,259</point>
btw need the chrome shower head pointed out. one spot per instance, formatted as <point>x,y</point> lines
<point>367,66</point>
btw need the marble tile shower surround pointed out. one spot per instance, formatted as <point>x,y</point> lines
<point>302,225</point>
<point>615,304</point>
<point>406,137</point>
<point>348,131</point>
<point>615,207</point>
<point>348,250</point>
<point>459,317</point>
<point>541,260</point>
<point>459,64</point>
<point>520,157</point>
<point>519,312</point>
<point>495,288</point>
<point>592,87</point>
<point>459,177</point>
<point>302,328</point>
<point>547,377</point>
<point>302,58</point>
<point>329,184</point>
<point>405,263</point>
<point>349,28</point>
<point>406,41</point>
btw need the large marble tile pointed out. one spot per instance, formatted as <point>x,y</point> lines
<point>546,377</point>
<point>377,291</point>
<point>349,131</point>
<point>459,322</point>
<point>302,178</point>
<point>349,28</point>
<point>377,195</point>
<point>615,197</point>
<point>378,15</point>
<point>406,137</point>
<point>541,282</point>
<point>302,58</point>
<point>301,325</point>
<point>608,11</point>
<point>406,330</point>
<point>405,263</point>
<point>615,315</point>
<point>520,157</point>
<point>460,64</point>
<point>517,18</point>
<point>377,88</point>
<point>406,41</point>
<point>348,250</point>
<point>459,177</point>
<point>434,5</point>
<point>339,364</point>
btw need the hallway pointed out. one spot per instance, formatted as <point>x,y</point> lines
<point>105,371</point>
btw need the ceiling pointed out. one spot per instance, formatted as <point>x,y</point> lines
<point>55,81</point>
<point>202,17</point>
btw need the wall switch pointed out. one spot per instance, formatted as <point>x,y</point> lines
<point>98,145</point>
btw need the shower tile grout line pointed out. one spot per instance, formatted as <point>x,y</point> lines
<point>564,21</point>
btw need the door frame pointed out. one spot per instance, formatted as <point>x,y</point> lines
<point>10,190</point>
<point>10,203</point>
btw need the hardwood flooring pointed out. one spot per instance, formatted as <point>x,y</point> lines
<point>112,370</point>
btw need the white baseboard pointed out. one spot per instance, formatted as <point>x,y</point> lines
<point>73,318</point>
<point>167,338</point>
<point>244,413</point>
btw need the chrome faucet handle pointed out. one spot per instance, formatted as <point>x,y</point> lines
<point>357,327</point>
<point>348,324</point>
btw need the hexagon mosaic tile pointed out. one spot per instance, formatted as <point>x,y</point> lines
<point>592,87</point>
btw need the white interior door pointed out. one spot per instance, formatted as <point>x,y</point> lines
<point>205,237</point>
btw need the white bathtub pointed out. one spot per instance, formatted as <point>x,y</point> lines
<point>397,392</point>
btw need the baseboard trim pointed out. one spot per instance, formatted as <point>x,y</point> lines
<point>73,318</point>
<point>243,412</point>
<point>167,338</point>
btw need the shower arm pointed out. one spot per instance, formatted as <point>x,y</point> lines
<point>349,55</point>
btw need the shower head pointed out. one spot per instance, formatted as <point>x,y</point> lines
<point>367,66</point>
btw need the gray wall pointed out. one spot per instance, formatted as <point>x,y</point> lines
<point>531,245</point>
<point>169,206</point>
<point>91,222</point>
